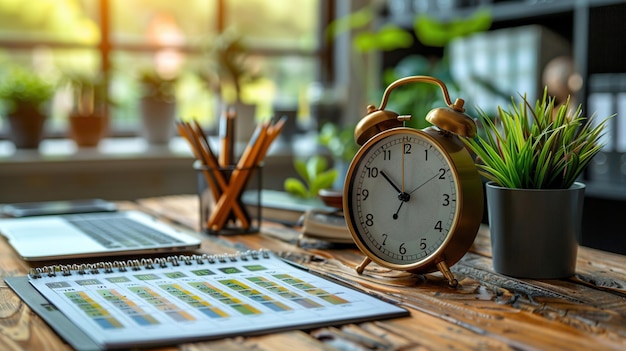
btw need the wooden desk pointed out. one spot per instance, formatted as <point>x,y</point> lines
<point>487,311</point>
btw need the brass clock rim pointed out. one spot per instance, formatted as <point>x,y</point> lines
<point>437,255</point>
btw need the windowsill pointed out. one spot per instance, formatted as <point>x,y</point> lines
<point>136,148</point>
<point>122,168</point>
<point>118,148</point>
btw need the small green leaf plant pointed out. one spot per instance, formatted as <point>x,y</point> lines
<point>540,147</point>
<point>20,86</point>
<point>315,176</point>
<point>339,141</point>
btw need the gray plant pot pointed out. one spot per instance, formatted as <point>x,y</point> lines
<point>158,120</point>
<point>534,233</point>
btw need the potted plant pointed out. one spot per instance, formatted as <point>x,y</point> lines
<point>342,146</point>
<point>25,96</point>
<point>532,157</point>
<point>315,174</point>
<point>229,70</point>
<point>87,120</point>
<point>158,106</point>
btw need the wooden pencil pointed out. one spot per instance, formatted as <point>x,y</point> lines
<point>219,186</point>
<point>238,179</point>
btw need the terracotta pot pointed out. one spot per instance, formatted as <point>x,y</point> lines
<point>87,130</point>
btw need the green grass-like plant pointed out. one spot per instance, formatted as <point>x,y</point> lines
<point>540,147</point>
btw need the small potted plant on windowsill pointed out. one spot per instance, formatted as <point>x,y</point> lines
<point>228,71</point>
<point>532,157</point>
<point>87,120</point>
<point>25,96</point>
<point>158,106</point>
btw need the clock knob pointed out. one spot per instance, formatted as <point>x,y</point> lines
<point>453,119</point>
<point>375,122</point>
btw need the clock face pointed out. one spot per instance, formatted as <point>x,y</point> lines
<point>402,198</point>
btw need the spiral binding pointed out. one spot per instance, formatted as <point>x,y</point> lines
<point>144,263</point>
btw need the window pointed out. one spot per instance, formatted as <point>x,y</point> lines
<point>122,38</point>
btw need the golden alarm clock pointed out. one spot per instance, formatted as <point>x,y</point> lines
<point>413,199</point>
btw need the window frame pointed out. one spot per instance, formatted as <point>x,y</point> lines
<point>106,47</point>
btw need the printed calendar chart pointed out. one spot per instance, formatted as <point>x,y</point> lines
<point>200,297</point>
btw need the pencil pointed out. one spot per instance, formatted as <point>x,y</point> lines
<point>185,133</point>
<point>203,149</point>
<point>239,177</point>
<point>227,138</point>
<point>222,174</point>
<point>272,133</point>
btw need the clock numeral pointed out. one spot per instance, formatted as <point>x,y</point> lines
<point>446,200</point>
<point>372,172</point>
<point>385,236</point>
<point>386,155</point>
<point>426,155</point>
<point>369,220</point>
<point>402,249</point>
<point>365,194</point>
<point>407,148</point>
<point>423,243</point>
<point>439,226</point>
<point>442,173</point>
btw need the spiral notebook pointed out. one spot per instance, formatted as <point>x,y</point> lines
<point>141,303</point>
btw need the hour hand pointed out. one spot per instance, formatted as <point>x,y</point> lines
<point>390,181</point>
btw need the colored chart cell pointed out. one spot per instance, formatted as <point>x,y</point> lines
<point>116,280</point>
<point>147,276</point>
<point>58,285</point>
<point>161,303</point>
<point>203,272</point>
<point>311,289</point>
<point>284,292</point>
<point>230,270</point>
<point>194,300</point>
<point>225,298</point>
<point>175,275</point>
<point>86,282</point>
<point>93,310</point>
<point>108,323</point>
<point>255,268</point>
<point>128,307</point>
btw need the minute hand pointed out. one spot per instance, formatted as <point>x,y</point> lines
<point>421,185</point>
<point>390,182</point>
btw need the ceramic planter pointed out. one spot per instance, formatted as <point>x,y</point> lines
<point>534,233</point>
<point>158,120</point>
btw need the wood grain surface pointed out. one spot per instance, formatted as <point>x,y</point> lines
<point>487,311</point>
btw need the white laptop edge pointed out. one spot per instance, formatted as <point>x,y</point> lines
<point>42,240</point>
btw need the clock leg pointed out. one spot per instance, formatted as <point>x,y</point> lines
<point>445,270</point>
<point>361,267</point>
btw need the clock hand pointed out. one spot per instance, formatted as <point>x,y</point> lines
<point>403,197</point>
<point>427,180</point>
<point>390,182</point>
<point>402,165</point>
<point>395,215</point>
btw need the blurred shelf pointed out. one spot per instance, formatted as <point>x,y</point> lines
<point>605,190</point>
<point>403,12</point>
